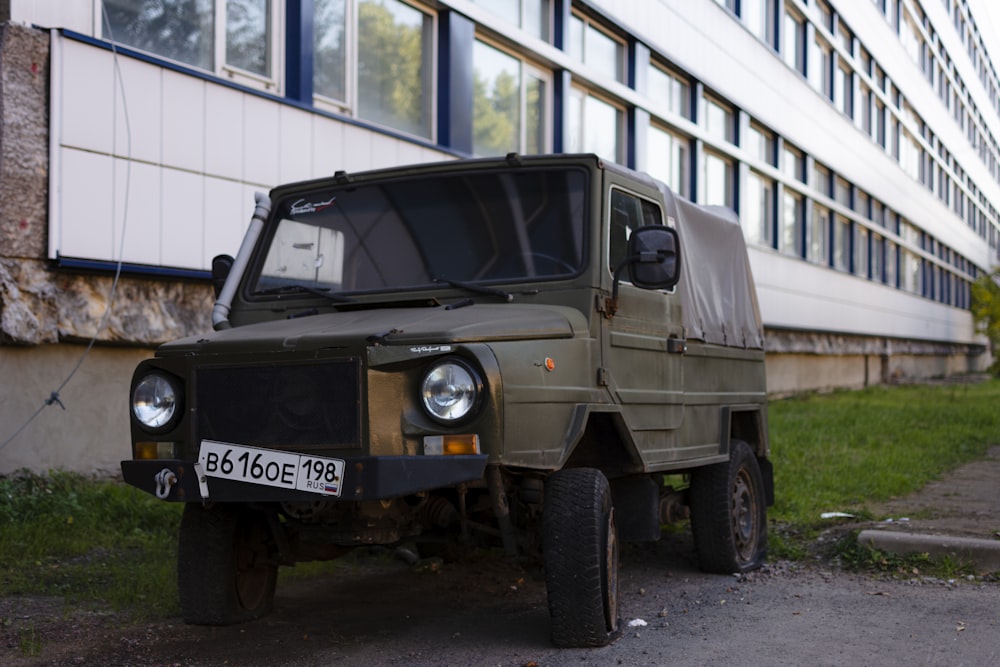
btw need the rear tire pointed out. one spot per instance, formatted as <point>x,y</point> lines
<point>580,550</point>
<point>729,513</point>
<point>225,571</point>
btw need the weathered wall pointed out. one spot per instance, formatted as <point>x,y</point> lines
<point>91,435</point>
<point>799,361</point>
<point>44,311</point>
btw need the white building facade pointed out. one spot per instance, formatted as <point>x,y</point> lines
<point>857,140</point>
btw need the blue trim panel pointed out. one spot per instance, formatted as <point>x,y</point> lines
<point>105,266</point>
<point>299,28</point>
<point>560,105</point>
<point>560,23</point>
<point>455,82</point>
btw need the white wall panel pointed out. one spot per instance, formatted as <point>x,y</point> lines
<point>137,209</point>
<point>384,151</point>
<point>75,15</point>
<point>261,138</point>
<point>87,228</point>
<point>199,152</point>
<point>87,95</point>
<point>183,132</point>
<point>181,242</point>
<point>223,123</point>
<point>296,146</point>
<point>139,133</point>
<point>797,295</point>
<point>222,230</point>
<point>328,146</point>
<point>356,150</point>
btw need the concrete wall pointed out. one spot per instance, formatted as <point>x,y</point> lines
<point>90,433</point>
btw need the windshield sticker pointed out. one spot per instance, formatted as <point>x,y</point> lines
<point>428,349</point>
<point>303,206</point>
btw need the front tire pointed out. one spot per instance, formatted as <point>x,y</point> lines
<point>580,550</point>
<point>225,571</point>
<point>729,513</point>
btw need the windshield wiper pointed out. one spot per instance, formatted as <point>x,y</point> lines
<point>318,291</point>
<point>477,289</point>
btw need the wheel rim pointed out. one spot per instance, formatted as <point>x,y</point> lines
<point>611,574</point>
<point>744,514</point>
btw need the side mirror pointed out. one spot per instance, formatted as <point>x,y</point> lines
<point>221,266</point>
<point>654,260</point>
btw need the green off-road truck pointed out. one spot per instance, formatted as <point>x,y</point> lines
<point>547,355</point>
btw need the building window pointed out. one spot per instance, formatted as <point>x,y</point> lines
<point>758,15</point>
<point>822,180</point>
<point>594,126</point>
<point>718,179</point>
<point>861,200</point>
<point>844,88</point>
<point>758,209</point>
<point>910,154</point>
<point>823,13</point>
<point>911,271</point>
<point>532,16</point>
<point>841,243</point>
<point>891,264</point>
<point>793,163</point>
<point>792,223</point>
<point>819,235</point>
<point>669,91</point>
<point>877,258</point>
<point>860,251</point>
<point>846,38</point>
<point>866,102</point>
<point>595,48</point>
<point>794,43</point>
<point>880,120</point>
<point>667,159</point>
<point>821,67</point>
<point>759,143</point>
<point>386,75</point>
<point>187,31</point>
<point>842,192</point>
<point>509,104</point>
<point>720,121</point>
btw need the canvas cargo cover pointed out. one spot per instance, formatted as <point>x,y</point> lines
<point>716,286</point>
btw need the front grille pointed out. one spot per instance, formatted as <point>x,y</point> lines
<point>299,406</point>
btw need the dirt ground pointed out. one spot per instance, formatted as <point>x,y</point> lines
<point>491,611</point>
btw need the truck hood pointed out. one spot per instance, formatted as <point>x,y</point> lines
<point>391,326</point>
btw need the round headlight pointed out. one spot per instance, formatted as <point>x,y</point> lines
<point>154,401</point>
<point>450,390</point>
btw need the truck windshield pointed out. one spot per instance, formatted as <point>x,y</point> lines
<point>519,225</point>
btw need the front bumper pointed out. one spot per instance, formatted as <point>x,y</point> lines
<point>365,478</point>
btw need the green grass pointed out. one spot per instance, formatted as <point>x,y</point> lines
<point>88,541</point>
<point>847,450</point>
<point>104,543</point>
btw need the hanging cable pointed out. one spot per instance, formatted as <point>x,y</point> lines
<point>54,397</point>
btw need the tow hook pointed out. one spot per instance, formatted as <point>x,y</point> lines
<point>165,479</point>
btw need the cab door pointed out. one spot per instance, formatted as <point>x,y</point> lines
<point>643,339</point>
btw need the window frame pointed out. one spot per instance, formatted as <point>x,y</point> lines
<point>272,82</point>
<point>527,69</point>
<point>351,105</point>
<point>588,25</point>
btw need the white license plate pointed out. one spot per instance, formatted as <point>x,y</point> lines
<point>286,470</point>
